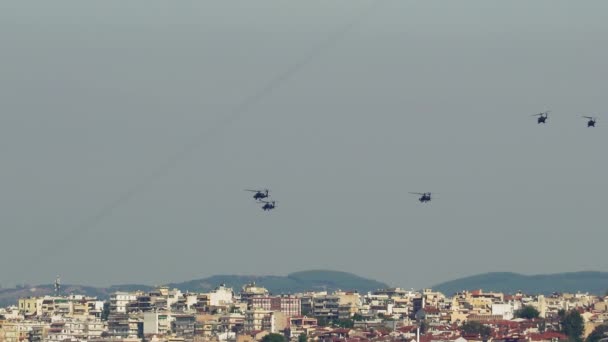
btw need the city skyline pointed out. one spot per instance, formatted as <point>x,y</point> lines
<point>253,313</point>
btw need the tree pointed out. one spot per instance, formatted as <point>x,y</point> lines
<point>358,317</point>
<point>424,326</point>
<point>106,311</point>
<point>274,338</point>
<point>527,312</point>
<point>572,324</point>
<point>476,328</point>
<point>322,321</point>
<point>600,332</point>
<point>303,338</point>
<point>345,323</point>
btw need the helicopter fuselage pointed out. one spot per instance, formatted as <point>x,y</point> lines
<point>259,196</point>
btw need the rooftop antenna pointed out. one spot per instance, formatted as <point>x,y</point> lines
<point>57,284</point>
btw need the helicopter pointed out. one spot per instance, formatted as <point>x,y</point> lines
<point>424,196</point>
<point>269,205</point>
<point>259,194</point>
<point>542,117</point>
<point>591,122</point>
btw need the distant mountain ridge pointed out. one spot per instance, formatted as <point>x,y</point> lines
<point>507,282</point>
<point>314,280</point>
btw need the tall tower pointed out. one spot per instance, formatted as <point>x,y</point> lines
<point>57,285</point>
<point>542,306</point>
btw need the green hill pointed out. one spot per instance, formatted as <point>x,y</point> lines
<point>592,282</point>
<point>292,283</point>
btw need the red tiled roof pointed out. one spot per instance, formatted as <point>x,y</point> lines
<point>548,335</point>
<point>426,338</point>
<point>504,322</point>
<point>407,328</point>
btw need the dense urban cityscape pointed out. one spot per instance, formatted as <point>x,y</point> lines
<point>253,314</point>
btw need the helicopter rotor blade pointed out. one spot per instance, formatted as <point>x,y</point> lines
<point>416,193</point>
<point>546,113</point>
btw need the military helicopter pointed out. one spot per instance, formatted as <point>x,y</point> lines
<point>591,122</point>
<point>259,194</point>
<point>269,205</point>
<point>542,117</point>
<point>424,196</point>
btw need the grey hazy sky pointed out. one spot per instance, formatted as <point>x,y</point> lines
<point>419,96</point>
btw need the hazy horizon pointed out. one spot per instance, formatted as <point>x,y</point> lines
<point>62,280</point>
<point>127,139</point>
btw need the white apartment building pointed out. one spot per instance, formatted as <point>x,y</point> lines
<point>119,301</point>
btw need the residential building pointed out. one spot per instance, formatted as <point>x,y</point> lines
<point>288,305</point>
<point>120,300</point>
